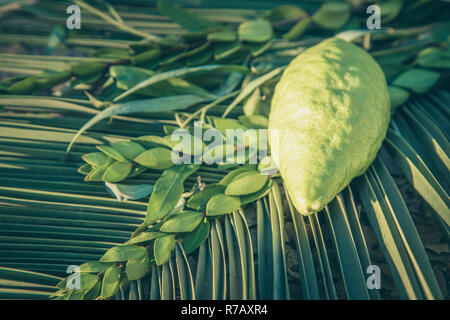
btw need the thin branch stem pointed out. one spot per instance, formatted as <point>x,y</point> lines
<point>118,24</point>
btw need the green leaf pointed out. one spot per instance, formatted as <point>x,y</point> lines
<point>127,77</point>
<point>94,267</point>
<point>146,56</point>
<point>128,149</point>
<point>199,200</point>
<point>285,12</point>
<point>222,36</point>
<point>186,221</point>
<point>95,159</point>
<point>260,47</point>
<point>97,173</point>
<point>255,105</point>
<point>332,15</point>
<point>50,79</point>
<point>111,152</point>
<point>23,86</point>
<point>441,32</point>
<point>87,68</point>
<point>254,121</point>
<point>146,105</point>
<point>85,169</point>
<point>257,195</point>
<point>224,50</point>
<point>233,174</point>
<point>123,253</point>
<point>167,192</point>
<point>417,172</point>
<point>194,239</point>
<point>117,171</point>
<point>398,96</point>
<point>145,237</point>
<point>88,281</point>
<point>389,9</point>
<point>94,292</point>
<point>417,80</point>
<point>258,30</point>
<point>246,183</point>
<point>111,282</point>
<point>219,154</point>
<point>187,20</point>
<point>224,124</point>
<point>179,73</point>
<point>156,158</point>
<point>137,268</point>
<point>222,204</point>
<point>433,58</point>
<point>163,248</point>
<point>298,30</point>
<point>111,53</point>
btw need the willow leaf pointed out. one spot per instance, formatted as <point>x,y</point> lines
<point>145,105</point>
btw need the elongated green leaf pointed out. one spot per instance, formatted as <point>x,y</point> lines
<point>145,105</point>
<point>351,269</point>
<point>419,175</point>
<point>417,80</point>
<point>185,279</point>
<point>145,236</point>
<point>179,73</point>
<point>190,21</point>
<point>307,270</point>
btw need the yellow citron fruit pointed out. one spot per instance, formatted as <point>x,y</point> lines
<point>329,115</point>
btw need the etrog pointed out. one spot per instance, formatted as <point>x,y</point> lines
<point>329,115</point>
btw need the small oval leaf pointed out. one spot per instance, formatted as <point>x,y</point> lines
<point>137,268</point>
<point>163,248</point>
<point>246,183</point>
<point>222,204</point>
<point>156,158</point>
<point>184,222</point>
<point>111,282</point>
<point>123,253</point>
<point>117,171</point>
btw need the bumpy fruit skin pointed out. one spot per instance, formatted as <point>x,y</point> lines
<point>329,115</point>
